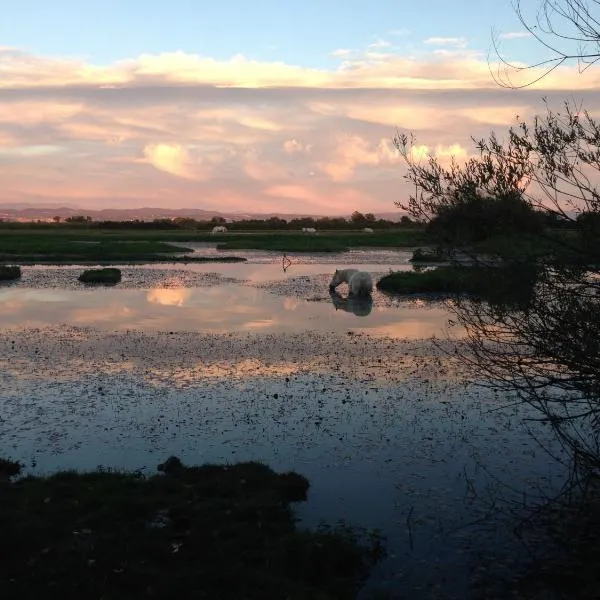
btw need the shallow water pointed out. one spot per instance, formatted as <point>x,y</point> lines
<point>229,362</point>
<point>221,297</point>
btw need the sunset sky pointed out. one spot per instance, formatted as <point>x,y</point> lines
<point>252,105</point>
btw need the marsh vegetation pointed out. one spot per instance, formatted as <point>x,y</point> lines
<point>190,532</point>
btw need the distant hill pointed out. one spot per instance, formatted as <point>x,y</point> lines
<point>22,211</point>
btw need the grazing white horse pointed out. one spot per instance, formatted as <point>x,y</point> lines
<point>359,282</point>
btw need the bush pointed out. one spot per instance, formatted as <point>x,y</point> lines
<point>108,276</point>
<point>472,217</point>
<point>9,273</point>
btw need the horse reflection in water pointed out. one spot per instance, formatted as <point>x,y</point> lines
<point>361,306</point>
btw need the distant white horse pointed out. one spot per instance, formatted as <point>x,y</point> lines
<point>359,282</point>
<point>309,230</point>
<point>219,229</point>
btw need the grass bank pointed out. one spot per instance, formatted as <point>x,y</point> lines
<point>100,246</point>
<point>508,284</point>
<point>224,532</point>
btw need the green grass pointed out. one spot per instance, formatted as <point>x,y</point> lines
<point>85,245</point>
<point>66,248</point>
<point>323,241</point>
<point>9,273</point>
<point>106,276</point>
<point>224,532</point>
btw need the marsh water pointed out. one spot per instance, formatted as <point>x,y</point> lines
<point>225,362</point>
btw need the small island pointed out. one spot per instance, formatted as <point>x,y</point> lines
<point>107,276</point>
<point>9,273</point>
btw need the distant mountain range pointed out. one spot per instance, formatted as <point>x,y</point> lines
<point>22,211</point>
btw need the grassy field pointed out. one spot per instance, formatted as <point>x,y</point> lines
<point>89,245</point>
<point>225,532</point>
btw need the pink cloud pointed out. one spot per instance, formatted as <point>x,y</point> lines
<point>244,135</point>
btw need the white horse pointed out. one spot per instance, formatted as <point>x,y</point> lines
<point>359,282</point>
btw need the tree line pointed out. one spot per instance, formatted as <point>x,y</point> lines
<point>357,220</point>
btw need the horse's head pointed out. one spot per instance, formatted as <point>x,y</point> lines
<point>335,280</point>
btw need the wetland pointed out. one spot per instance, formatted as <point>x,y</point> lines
<point>234,362</point>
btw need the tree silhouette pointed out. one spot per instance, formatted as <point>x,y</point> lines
<point>546,349</point>
<point>568,29</point>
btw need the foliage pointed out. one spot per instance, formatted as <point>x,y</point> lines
<point>107,276</point>
<point>475,217</point>
<point>180,224</point>
<point>9,272</point>
<point>191,532</point>
<point>546,348</point>
<point>567,29</point>
<point>482,198</point>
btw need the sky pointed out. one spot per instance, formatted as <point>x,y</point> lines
<point>253,105</point>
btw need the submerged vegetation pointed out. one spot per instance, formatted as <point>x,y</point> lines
<point>213,531</point>
<point>107,276</point>
<point>9,272</point>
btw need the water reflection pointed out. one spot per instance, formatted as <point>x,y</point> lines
<point>169,296</point>
<point>217,309</point>
<point>361,307</point>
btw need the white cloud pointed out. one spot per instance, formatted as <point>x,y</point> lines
<point>457,42</point>
<point>170,158</point>
<point>380,44</point>
<point>513,35</point>
<point>293,146</point>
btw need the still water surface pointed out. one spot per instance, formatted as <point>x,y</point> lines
<point>223,297</point>
<point>228,362</point>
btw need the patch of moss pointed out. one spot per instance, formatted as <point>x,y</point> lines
<point>9,273</point>
<point>107,276</point>
<point>224,532</point>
